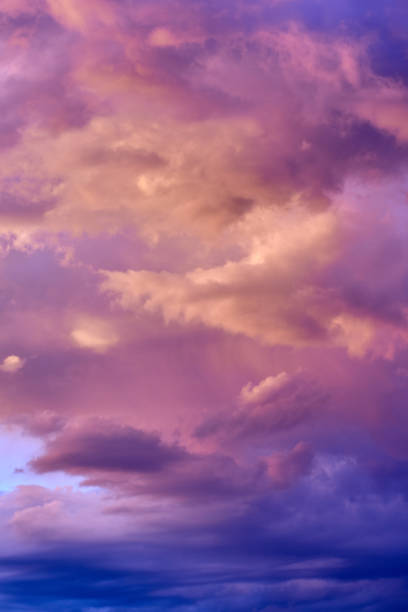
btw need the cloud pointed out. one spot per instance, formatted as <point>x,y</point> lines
<point>137,462</point>
<point>40,514</point>
<point>79,16</point>
<point>16,7</point>
<point>263,391</point>
<point>104,446</point>
<point>12,364</point>
<point>238,129</point>
<point>323,565</point>
<point>268,295</point>
<point>278,404</point>
<point>94,334</point>
<point>203,266</point>
<point>303,279</point>
<point>285,468</point>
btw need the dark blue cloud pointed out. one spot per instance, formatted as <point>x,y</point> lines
<point>307,550</point>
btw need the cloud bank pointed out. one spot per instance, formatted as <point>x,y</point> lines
<point>203,266</point>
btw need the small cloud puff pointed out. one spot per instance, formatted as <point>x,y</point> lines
<point>94,334</point>
<point>257,394</point>
<point>12,364</point>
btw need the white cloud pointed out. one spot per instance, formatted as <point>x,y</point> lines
<point>94,334</point>
<point>257,394</point>
<point>270,294</point>
<point>12,364</point>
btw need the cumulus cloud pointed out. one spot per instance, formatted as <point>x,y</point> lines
<point>268,295</point>
<point>12,364</point>
<point>266,389</point>
<point>302,281</point>
<point>105,446</point>
<point>237,130</point>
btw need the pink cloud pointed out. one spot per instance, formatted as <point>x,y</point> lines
<point>285,468</point>
<point>203,266</point>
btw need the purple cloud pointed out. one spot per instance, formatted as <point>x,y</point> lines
<point>203,290</point>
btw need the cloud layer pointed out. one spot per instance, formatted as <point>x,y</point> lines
<point>203,265</point>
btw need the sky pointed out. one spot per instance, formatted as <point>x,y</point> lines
<point>204,305</point>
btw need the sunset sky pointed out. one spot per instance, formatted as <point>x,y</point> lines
<point>204,305</point>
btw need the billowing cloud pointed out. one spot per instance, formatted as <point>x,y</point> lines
<point>12,364</point>
<point>295,286</point>
<point>237,130</point>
